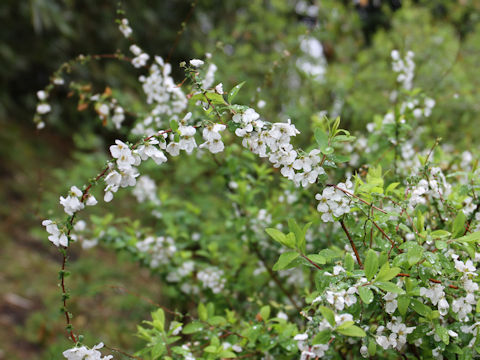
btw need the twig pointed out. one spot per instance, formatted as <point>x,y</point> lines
<point>351,243</point>
<point>357,197</point>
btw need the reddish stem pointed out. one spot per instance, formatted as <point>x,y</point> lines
<point>351,243</point>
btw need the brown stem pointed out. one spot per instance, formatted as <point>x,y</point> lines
<point>351,243</point>
<point>386,236</point>
<point>311,262</point>
<point>431,280</point>
<point>67,315</point>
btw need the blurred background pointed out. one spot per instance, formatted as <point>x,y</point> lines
<point>301,59</point>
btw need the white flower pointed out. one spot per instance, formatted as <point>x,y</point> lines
<point>337,269</point>
<point>42,95</point>
<point>364,351</point>
<point>466,268</point>
<point>213,132</point>
<point>118,116</point>
<point>301,337</point>
<point>57,237</point>
<point>173,148</point>
<point>140,60</point>
<point>84,353</point>
<point>214,146</point>
<point>150,150</point>
<point>135,50</point>
<point>212,278</point>
<point>146,189</point>
<point>390,302</point>
<point>219,89</point>
<point>336,298</point>
<point>125,28</point>
<point>196,62</point>
<point>91,201</point>
<point>43,108</point>
<point>72,203</point>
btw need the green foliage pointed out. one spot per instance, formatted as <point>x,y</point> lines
<point>233,218</point>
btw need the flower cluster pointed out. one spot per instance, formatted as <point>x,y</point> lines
<point>405,67</point>
<point>126,172</point>
<point>309,351</point>
<point>463,305</point>
<point>158,249</point>
<point>334,202</point>
<point>57,237</point>
<point>167,98</point>
<point>274,142</point>
<point>141,58</point>
<point>434,187</point>
<point>213,139</point>
<point>312,62</point>
<point>212,278</point>
<point>125,28</point>
<point>74,201</point>
<point>437,297</point>
<point>146,189</point>
<point>398,334</point>
<point>84,353</point>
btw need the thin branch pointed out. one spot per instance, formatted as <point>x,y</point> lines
<point>351,243</point>
<point>356,197</point>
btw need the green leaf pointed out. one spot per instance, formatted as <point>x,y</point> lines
<point>391,187</point>
<point>277,235</point>
<point>345,324</point>
<point>285,259</point>
<point>158,319</point>
<point>265,312</point>
<point>349,263</point>
<point>352,331</point>
<point>402,302</point>
<point>227,354</point>
<point>317,259</point>
<point>386,273</point>
<point>474,237</point>
<point>202,312</point>
<point>365,294</point>
<point>234,91</point>
<point>440,244</point>
<point>420,308</point>
<point>322,337</point>
<point>328,314</point>
<point>390,287</point>
<point>174,125</point>
<point>371,264</point>
<point>321,138</point>
<point>193,327</point>
<point>299,234</point>
<point>372,347</point>
<point>438,234</point>
<point>217,320</point>
<point>158,350</point>
<point>442,332</point>
<point>458,227</point>
<point>215,99</point>
<point>211,349</point>
<point>345,138</point>
<point>328,150</point>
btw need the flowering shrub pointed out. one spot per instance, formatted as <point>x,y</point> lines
<point>352,246</point>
